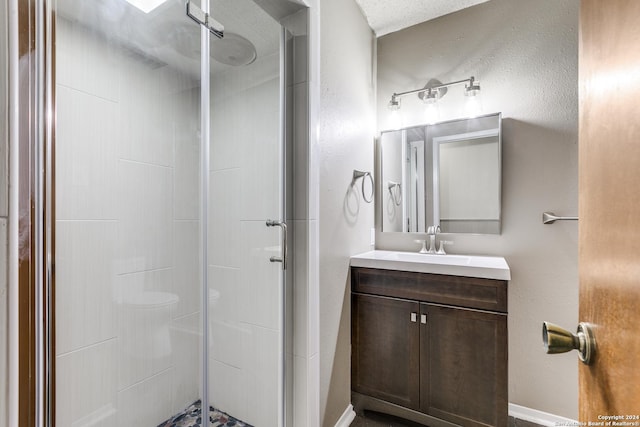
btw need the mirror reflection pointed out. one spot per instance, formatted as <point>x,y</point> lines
<point>447,174</point>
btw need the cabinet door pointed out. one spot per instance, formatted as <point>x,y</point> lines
<point>464,365</point>
<point>385,339</point>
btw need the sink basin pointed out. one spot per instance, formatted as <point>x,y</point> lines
<point>456,265</point>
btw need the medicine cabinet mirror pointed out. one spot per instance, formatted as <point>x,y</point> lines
<point>446,174</point>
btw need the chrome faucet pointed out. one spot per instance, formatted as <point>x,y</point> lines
<point>432,231</point>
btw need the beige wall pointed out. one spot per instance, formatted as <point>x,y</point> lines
<point>525,56</point>
<point>346,132</point>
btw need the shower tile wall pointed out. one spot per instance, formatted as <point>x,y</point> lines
<point>3,316</point>
<point>127,222</point>
<point>244,299</point>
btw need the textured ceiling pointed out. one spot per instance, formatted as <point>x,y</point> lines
<point>387,16</point>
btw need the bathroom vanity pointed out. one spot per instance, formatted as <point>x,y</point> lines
<point>429,337</point>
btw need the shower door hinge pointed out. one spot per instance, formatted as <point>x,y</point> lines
<point>203,18</point>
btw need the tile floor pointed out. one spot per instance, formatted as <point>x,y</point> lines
<point>375,419</point>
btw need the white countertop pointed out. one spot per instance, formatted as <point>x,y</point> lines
<point>455,265</point>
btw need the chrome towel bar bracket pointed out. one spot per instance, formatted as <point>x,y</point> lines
<point>550,218</point>
<point>360,174</point>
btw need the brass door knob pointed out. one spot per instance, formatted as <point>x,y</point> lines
<point>559,340</point>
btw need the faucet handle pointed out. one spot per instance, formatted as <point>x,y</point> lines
<point>423,250</point>
<point>441,246</point>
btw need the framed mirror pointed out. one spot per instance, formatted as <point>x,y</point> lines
<point>447,174</point>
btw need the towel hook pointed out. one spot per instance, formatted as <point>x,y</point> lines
<point>360,174</point>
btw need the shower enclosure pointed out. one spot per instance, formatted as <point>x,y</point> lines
<point>166,192</point>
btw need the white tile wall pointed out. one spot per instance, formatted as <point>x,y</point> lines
<point>147,403</point>
<point>226,342</point>
<point>86,383</point>
<point>3,316</point>
<point>300,152</point>
<point>86,155</point>
<point>224,218</point>
<point>187,378</point>
<point>300,373</point>
<point>260,279</point>
<point>186,191</point>
<point>227,389</point>
<point>225,295</point>
<point>85,283</point>
<point>305,87</point>
<point>300,293</point>
<point>85,62</point>
<point>186,267</point>
<point>245,193</point>
<point>144,340</point>
<point>146,116</point>
<point>261,155</point>
<point>145,226</point>
<point>128,156</point>
<point>127,209</point>
<point>261,372</point>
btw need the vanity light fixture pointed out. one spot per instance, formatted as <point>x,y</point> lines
<point>434,90</point>
<point>146,5</point>
<point>472,107</point>
<point>395,119</point>
<point>431,112</point>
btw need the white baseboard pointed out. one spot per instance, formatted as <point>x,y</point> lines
<point>521,412</point>
<point>539,417</point>
<point>347,416</point>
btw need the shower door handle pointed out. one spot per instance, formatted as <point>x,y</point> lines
<point>283,258</point>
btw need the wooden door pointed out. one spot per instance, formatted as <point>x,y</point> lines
<point>463,366</point>
<point>385,340</point>
<point>609,206</point>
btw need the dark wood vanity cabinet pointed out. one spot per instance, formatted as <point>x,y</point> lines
<point>434,344</point>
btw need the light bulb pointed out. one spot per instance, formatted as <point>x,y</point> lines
<point>431,113</point>
<point>472,107</point>
<point>395,120</point>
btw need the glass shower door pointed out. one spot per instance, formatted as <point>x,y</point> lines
<point>128,264</point>
<point>169,215</point>
<point>246,280</point>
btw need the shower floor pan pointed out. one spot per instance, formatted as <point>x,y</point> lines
<point>192,417</point>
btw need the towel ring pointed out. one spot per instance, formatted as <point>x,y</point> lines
<point>360,174</point>
<point>396,192</point>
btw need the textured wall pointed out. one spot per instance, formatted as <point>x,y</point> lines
<point>346,132</point>
<point>525,56</point>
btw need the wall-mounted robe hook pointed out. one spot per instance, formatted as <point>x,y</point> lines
<point>550,218</point>
<point>360,174</point>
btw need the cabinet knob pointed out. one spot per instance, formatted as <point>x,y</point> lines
<point>559,340</point>
<point>423,319</point>
<point>414,317</point>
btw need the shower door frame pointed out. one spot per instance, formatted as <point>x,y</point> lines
<point>31,236</point>
<point>32,119</point>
